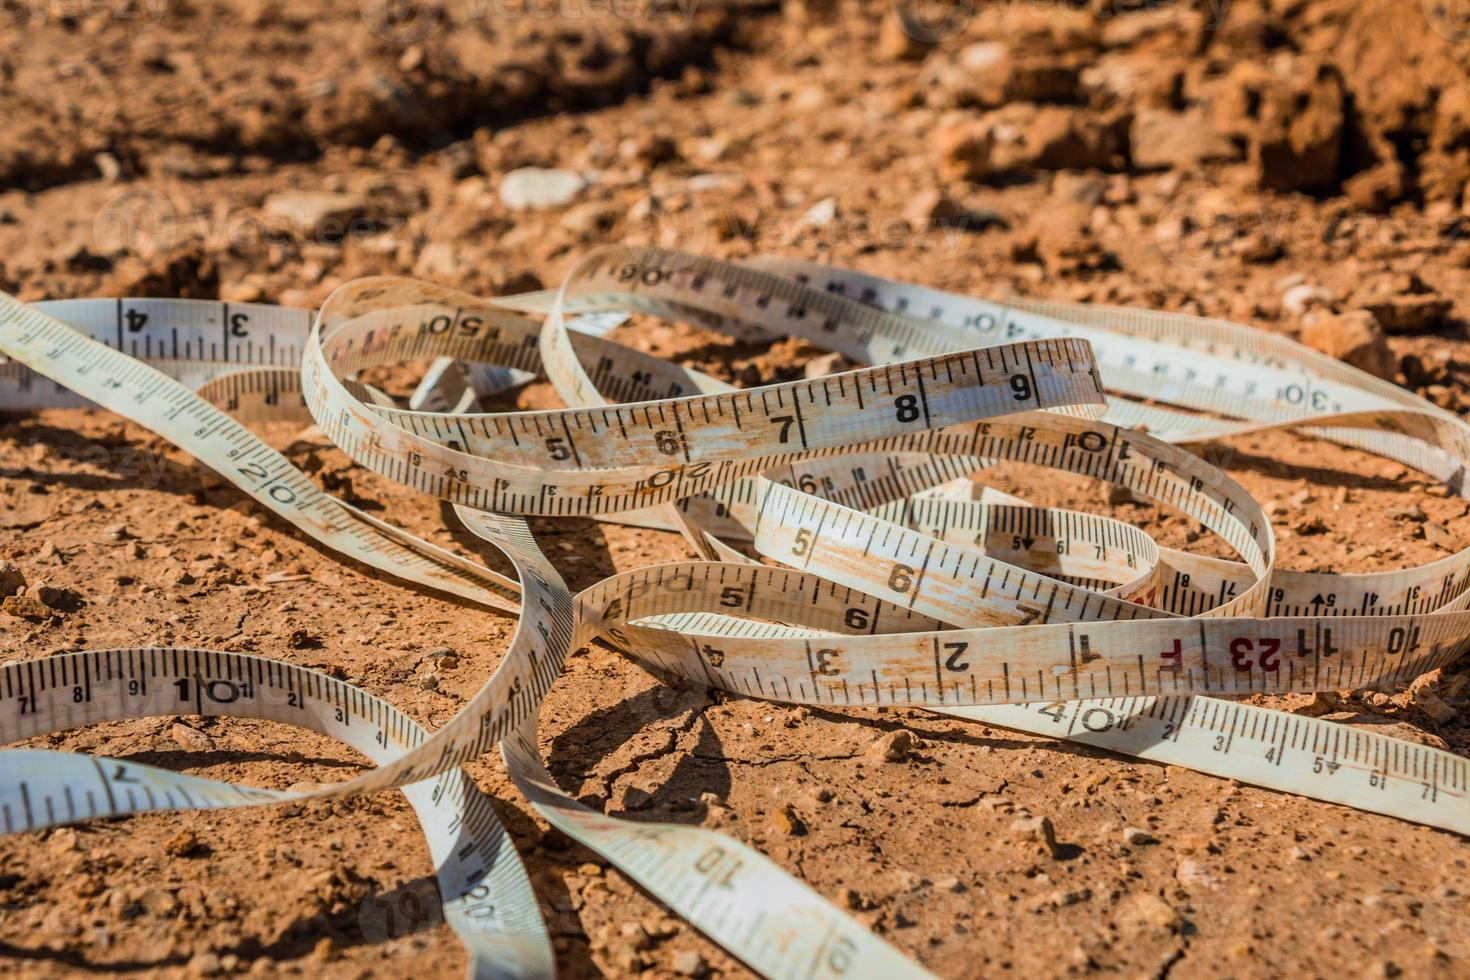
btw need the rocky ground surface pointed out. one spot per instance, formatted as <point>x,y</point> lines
<point>1297,165</point>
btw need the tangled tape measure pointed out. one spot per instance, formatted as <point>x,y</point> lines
<point>895,578</point>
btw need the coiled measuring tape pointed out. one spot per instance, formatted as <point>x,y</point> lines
<point>895,578</point>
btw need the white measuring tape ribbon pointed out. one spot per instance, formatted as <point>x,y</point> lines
<point>898,583</point>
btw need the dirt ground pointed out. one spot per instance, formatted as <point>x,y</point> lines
<point>1297,165</point>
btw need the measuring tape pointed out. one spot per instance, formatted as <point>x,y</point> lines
<point>891,577</point>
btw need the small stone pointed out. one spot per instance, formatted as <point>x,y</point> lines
<point>182,844</point>
<point>1259,248</point>
<point>1162,140</point>
<point>12,580</point>
<point>447,663</point>
<point>1192,874</point>
<point>964,151</point>
<point>204,965</point>
<point>1298,112</point>
<point>849,898</point>
<point>825,364</point>
<point>591,219</point>
<point>992,73</point>
<point>1138,837</point>
<point>789,822</point>
<point>624,957</point>
<point>1413,512</point>
<point>301,639</point>
<point>1300,298</point>
<point>1458,685</point>
<point>1378,188</point>
<point>472,191</point>
<point>819,215</point>
<point>1310,525</point>
<point>26,607</point>
<point>1425,369</point>
<point>1059,898</point>
<point>60,600</point>
<point>438,260</point>
<point>119,532</point>
<point>949,883</point>
<point>688,963</point>
<point>1321,703</point>
<point>63,840</point>
<point>458,161</point>
<point>1355,338</point>
<point>1438,535</point>
<point>893,747</point>
<point>1053,137</point>
<point>537,188</point>
<point>108,167</point>
<point>1115,494</point>
<point>712,149</point>
<point>1432,705</point>
<point>1407,305</point>
<point>1036,830</point>
<point>630,797</point>
<point>589,870</point>
<point>1378,701</point>
<point>931,206</point>
<point>909,881</point>
<point>316,215</point>
<point>191,739</point>
<point>1150,911</point>
<point>326,950</point>
<point>412,58</point>
<point>649,148</point>
<point>1443,396</point>
<point>636,935</point>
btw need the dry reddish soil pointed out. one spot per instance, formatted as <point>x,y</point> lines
<point>1298,165</point>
